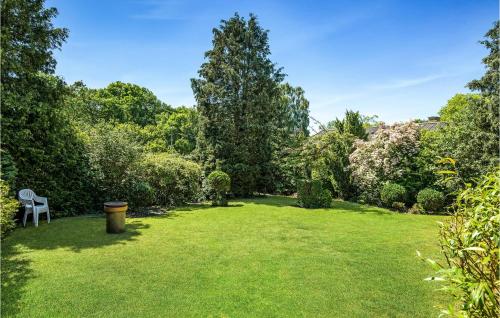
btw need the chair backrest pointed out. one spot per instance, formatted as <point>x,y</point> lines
<point>26,196</point>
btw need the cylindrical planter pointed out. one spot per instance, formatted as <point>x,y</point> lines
<point>115,216</point>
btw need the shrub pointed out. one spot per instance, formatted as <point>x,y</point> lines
<point>392,192</point>
<point>399,206</point>
<point>113,154</point>
<point>431,200</point>
<point>312,195</point>
<point>469,241</point>
<point>8,208</point>
<point>173,179</point>
<point>416,209</point>
<point>388,156</point>
<point>219,183</point>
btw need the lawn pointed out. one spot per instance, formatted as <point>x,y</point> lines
<point>256,258</point>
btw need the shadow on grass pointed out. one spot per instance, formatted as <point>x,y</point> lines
<point>204,206</point>
<point>76,234</point>
<point>271,200</point>
<point>359,208</point>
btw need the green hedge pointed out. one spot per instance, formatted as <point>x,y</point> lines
<point>173,180</point>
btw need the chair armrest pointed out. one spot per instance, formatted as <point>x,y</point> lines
<point>40,199</point>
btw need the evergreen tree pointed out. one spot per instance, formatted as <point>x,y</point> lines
<point>290,132</point>
<point>36,132</point>
<point>236,97</point>
<point>351,124</point>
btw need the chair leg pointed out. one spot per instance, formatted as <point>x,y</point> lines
<point>48,216</point>
<point>25,218</point>
<point>35,218</point>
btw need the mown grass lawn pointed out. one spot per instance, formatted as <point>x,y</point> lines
<point>256,258</point>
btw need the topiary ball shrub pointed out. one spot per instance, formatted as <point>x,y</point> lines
<point>392,192</point>
<point>312,195</point>
<point>431,200</point>
<point>219,183</point>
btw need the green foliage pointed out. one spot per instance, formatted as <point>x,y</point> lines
<point>37,137</point>
<point>328,153</point>
<point>352,123</point>
<point>219,183</point>
<point>431,200</point>
<point>470,241</point>
<point>173,179</point>
<point>392,192</point>
<point>470,135</point>
<point>177,129</point>
<point>399,206</point>
<point>8,208</point>
<point>289,134</point>
<point>28,40</point>
<point>456,106</point>
<point>236,98</point>
<point>112,154</point>
<point>118,102</point>
<point>416,209</point>
<point>312,195</point>
<point>8,167</point>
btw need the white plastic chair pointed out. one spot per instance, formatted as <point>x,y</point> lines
<point>28,199</point>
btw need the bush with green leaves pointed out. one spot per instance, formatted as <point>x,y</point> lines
<point>8,208</point>
<point>392,192</point>
<point>219,183</point>
<point>416,209</point>
<point>311,194</point>
<point>174,180</point>
<point>470,242</point>
<point>113,154</point>
<point>431,200</point>
<point>399,206</point>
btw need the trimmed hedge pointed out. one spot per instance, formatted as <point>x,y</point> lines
<point>173,180</point>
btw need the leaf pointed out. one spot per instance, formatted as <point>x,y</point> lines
<point>475,248</point>
<point>446,172</point>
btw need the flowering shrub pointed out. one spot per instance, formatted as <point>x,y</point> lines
<point>387,156</point>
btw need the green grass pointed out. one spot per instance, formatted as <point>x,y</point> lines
<point>256,258</point>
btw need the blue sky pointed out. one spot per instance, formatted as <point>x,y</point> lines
<point>399,59</point>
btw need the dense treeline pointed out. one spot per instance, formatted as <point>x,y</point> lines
<point>80,146</point>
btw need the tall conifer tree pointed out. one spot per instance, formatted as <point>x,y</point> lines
<point>236,97</point>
